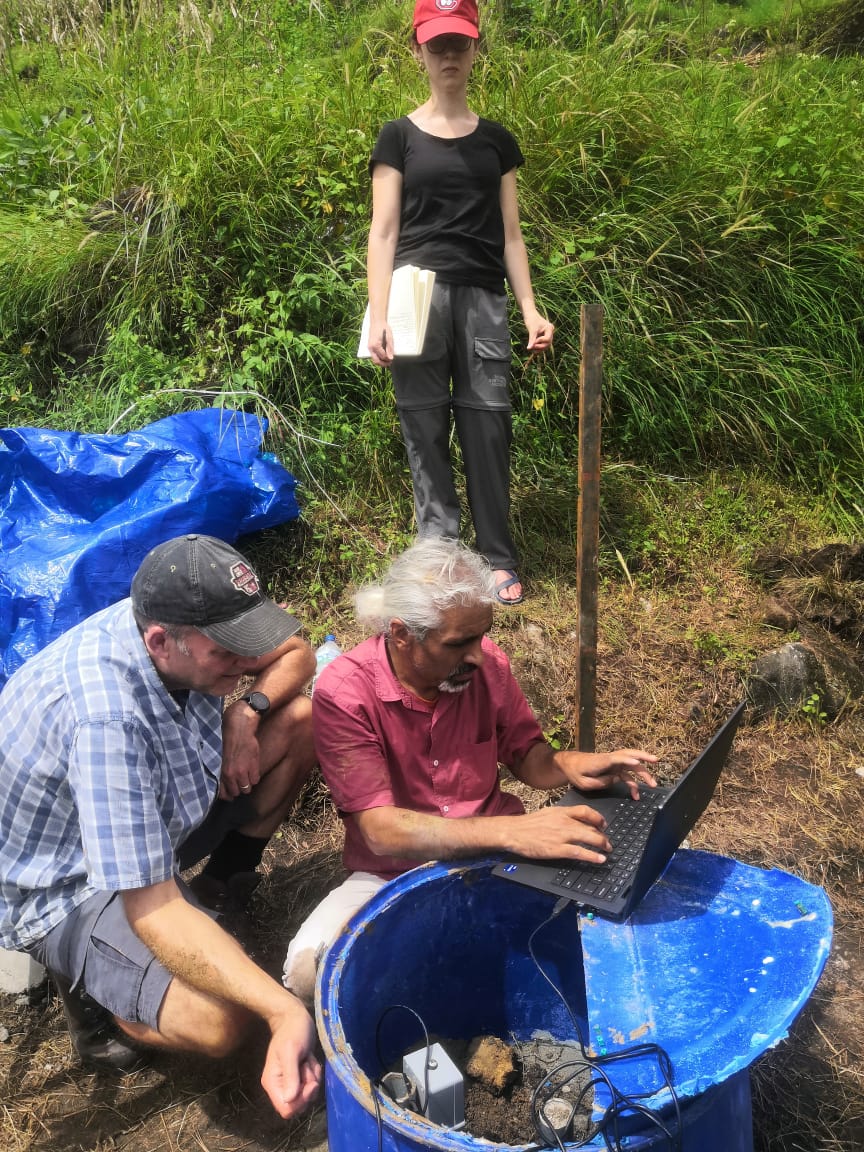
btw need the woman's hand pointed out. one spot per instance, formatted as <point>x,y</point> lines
<point>540,332</point>
<point>381,346</point>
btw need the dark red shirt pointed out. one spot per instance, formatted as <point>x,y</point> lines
<point>379,745</point>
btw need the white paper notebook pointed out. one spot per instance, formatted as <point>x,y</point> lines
<point>407,311</point>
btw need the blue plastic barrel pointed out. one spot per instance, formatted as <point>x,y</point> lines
<point>714,966</point>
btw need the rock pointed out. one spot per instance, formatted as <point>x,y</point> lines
<point>557,1113</point>
<point>787,678</point>
<point>4,1034</point>
<point>492,1062</point>
<point>781,680</point>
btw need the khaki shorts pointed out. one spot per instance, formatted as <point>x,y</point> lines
<point>320,929</point>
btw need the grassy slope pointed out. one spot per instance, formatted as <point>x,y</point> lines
<point>712,206</point>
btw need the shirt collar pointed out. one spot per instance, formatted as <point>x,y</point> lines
<point>387,685</point>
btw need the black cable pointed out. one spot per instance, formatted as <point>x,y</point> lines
<point>376,1084</point>
<point>621,1103</point>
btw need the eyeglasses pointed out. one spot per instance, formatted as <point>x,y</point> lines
<point>438,45</point>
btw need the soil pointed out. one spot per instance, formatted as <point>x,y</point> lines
<point>507,1115</point>
<point>670,665</point>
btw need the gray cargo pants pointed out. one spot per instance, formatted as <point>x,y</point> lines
<point>468,343</point>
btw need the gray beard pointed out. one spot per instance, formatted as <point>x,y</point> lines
<point>453,688</point>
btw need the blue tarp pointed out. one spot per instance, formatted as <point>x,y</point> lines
<point>79,512</point>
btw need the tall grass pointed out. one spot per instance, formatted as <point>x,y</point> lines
<point>184,206</point>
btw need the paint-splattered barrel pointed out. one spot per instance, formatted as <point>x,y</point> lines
<point>713,967</point>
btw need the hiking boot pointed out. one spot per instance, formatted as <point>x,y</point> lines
<point>228,900</point>
<point>95,1036</point>
<point>225,897</point>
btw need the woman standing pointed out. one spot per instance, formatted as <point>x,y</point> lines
<point>444,198</point>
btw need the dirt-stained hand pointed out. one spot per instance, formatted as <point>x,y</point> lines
<point>292,1073</point>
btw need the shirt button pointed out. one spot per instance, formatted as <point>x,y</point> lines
<point>434,763</point>
<point>446,808</point>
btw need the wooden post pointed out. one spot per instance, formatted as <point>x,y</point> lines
<point>588,521</point>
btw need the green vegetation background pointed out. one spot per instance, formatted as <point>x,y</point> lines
<point>184,202</point>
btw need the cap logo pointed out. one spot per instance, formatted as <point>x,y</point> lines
<point>446,5</point>
<point>244,579</point>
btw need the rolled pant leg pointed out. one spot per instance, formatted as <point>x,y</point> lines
<point>320,928</point>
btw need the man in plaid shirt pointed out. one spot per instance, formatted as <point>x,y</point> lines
<point>119,767</point>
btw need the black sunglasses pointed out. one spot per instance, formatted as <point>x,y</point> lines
<point>438,45</point>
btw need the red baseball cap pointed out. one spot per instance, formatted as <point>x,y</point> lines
<point>445,17</point>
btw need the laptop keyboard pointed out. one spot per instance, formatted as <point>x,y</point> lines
<point>626,832</point>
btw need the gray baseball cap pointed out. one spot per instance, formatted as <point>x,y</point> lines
<point>204,583</point>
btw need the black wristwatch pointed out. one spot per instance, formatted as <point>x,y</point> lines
<point>257,701</point>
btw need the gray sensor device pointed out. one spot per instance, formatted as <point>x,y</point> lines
<point>446,1103</point>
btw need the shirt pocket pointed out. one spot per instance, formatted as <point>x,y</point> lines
<point>475,778</point>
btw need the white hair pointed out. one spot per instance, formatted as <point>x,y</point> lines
<point>427,580</point>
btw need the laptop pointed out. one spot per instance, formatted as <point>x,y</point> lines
<point>644,835</point>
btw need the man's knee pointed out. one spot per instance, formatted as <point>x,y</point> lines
<point>193,1021</point>
<point>228,1031</point>
<point>286,743</point>
<point>295,717</point>
<point>299,974</point>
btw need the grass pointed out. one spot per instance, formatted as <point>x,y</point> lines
<point>184,205</point>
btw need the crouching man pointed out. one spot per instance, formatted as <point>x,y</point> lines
<point>119,767</point>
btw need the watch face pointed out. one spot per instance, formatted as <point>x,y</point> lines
<point>257,701</point>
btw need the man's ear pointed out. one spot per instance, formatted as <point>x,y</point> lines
<point>399,636</point>
<point>155,641</point>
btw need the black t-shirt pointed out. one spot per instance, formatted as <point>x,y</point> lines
<point>451,199</point>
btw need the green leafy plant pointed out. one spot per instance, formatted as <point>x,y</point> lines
<point>812,709</point>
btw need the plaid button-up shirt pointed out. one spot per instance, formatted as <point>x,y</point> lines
<point>103,774</point>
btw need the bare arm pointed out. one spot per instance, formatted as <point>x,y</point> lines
<point>545,768</point>
<point>197,951</point>
<point>381,249</point>
<point>540,330</point>
<point>574,833</point>
<point>557,833</point>
<point>282,675</point>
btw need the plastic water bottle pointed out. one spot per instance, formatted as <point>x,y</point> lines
<point>325,654</point>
